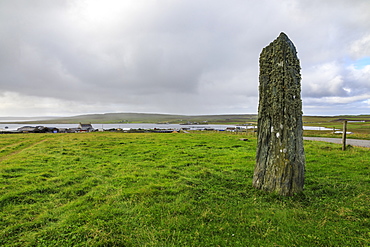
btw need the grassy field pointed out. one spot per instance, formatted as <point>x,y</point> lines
<point>116,189</point>
<point>359,130</point>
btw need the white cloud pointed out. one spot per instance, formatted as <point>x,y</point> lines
<point>361,47</point>
<point>323,80</point>
<point>16,104</point>
<point>339,100</point>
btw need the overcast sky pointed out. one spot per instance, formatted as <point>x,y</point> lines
<point>70,57</point>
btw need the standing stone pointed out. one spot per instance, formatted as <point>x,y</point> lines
<point>280,155</point>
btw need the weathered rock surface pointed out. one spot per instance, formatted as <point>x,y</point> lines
<point>280,159</point>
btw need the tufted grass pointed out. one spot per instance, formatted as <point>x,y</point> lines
<point>116,189</point>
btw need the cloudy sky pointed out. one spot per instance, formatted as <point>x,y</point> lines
<point>69,57</point>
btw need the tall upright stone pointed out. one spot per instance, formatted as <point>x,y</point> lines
<point>280,159</point>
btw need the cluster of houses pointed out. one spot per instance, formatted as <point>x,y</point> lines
<point>89,128</point>
<point>42,129</point>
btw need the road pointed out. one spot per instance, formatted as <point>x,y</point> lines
<point>353,142</point>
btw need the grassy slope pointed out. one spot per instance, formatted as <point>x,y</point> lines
<point>359,130</point>
<point>220,119</point>
<point>173,190</point>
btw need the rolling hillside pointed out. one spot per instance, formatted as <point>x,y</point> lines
<point>152,118</point>
<point>178,119</point>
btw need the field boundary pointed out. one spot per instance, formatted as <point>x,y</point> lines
<point>353,142</point>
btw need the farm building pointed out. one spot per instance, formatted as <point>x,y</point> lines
<point>85,128</point>
<point>27,129</point>
<point>37,129</point>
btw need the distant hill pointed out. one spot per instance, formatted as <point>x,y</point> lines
<point>177,119</point>
<point>152,118</point>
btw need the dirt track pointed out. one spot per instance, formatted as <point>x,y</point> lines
<point>353,142</point>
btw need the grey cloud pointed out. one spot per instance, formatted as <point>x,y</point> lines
<point>173,56</point>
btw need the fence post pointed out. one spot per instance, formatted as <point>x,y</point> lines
<point>344,136</point>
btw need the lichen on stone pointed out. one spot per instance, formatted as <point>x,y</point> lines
<point>280,110</point>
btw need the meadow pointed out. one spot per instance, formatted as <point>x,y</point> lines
<point>151,189</point>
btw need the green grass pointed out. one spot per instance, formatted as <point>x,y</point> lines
<point>115,189</point>
<point>360,130</point>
